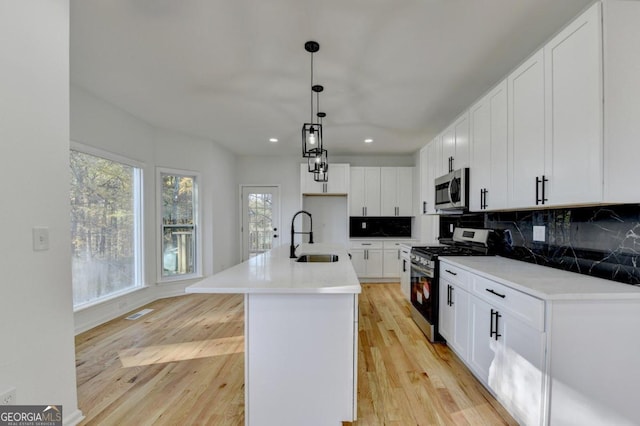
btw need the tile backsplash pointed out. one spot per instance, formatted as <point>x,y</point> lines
<point>602,241</point>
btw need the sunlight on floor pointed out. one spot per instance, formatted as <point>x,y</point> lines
<point>136,357</point>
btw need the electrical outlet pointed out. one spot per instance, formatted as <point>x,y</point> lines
<point>40,238</point>
<point>539,233</point>
<point>8,397</point>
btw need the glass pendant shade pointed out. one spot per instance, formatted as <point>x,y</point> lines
<point>322,176</point>
<point>321,166</point>
<point>311,139</point>
<point>317,160</point>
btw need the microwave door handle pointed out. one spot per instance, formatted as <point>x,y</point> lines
<point>449,190</point>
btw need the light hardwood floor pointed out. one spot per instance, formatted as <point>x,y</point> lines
<point>182,364</point>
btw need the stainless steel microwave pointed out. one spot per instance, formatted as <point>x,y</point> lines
<point>452,190</point>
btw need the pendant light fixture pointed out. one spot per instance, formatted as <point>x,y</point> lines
<point>319,163</point>
<point>311,132</point>
<point>315,154</point>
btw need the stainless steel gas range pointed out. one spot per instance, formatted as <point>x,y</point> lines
<point>425,272</point>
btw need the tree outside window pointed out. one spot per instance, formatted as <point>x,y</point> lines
<point>179,218</point>
<point>105,227</point>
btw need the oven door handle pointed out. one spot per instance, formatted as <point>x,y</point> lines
<point>424,271</point>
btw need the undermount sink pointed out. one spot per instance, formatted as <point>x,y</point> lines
<point>306,258</point>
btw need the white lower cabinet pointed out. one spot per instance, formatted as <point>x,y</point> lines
<point>391,263</point>
<point>507,355</point>
<point>367,262</point>
<point>504,349</point>
<point>480,351</point>
<point>405,271</point>
<point>378,259</point>
<point>536,344</point>
<point>454,308</point>
<point>454,316</point>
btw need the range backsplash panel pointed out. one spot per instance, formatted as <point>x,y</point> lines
<point>602,241</point>
<point>379,227</point>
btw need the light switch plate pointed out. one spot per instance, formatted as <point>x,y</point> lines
<point>40,238</point>
<point>539,233</point>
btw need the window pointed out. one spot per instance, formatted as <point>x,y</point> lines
<point>105,226</point>
<point>179,247</point>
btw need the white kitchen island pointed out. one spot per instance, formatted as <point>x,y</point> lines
<point>301,335</point>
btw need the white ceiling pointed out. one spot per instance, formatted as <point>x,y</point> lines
<point>236,72</point>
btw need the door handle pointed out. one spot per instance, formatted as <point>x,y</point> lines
<point>540,183</point>
<point>494,332</point>
<point>424,207</point>
<point>404,265</point>
<point>492,291</point>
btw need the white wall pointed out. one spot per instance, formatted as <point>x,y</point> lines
<point>281,170</point>
<point>330,219</point>
<point>36,316</point>
<point>218,193</point>
<point>97,123</point>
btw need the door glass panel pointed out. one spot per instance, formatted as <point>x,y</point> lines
<point>260,214</point>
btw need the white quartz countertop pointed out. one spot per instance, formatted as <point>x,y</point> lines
<point>544,282</point>
<point>275,272</point>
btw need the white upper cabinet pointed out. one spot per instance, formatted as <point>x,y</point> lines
<point>455,145</point>
<point>424,178</point>
<point>337,184</point>
<point>621,101</point>
<point>448,149</point>
<point>396,190</point>
<point>525,87</point>
<point>364,194</point>
<point>488,140</point>
<point>381,191</point>
<point>574,112</point>
<point>430,169</point>
<point>572,124</point>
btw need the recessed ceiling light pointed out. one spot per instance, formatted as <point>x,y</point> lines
<point>273,140</point>
<point>368,140</point>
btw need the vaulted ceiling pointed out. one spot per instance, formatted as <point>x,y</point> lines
<point>236,72</point>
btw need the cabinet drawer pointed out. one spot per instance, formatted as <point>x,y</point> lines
<point>455,275</point>
<point>393,244</point>
<point>365,244</point>
<point>522,306</point>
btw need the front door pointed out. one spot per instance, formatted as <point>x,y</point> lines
<point>260,229</point>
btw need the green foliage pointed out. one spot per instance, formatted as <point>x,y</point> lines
<point>102,226</point>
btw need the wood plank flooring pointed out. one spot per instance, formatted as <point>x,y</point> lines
<point>183,364</point>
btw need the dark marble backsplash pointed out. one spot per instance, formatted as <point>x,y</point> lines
<point>379,227</point>
<point>602,241</point>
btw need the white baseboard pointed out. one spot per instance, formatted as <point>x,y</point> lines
<point>73,418</point>
<point>379,280</point>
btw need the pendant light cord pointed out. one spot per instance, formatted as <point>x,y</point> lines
<point>311,88</point>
